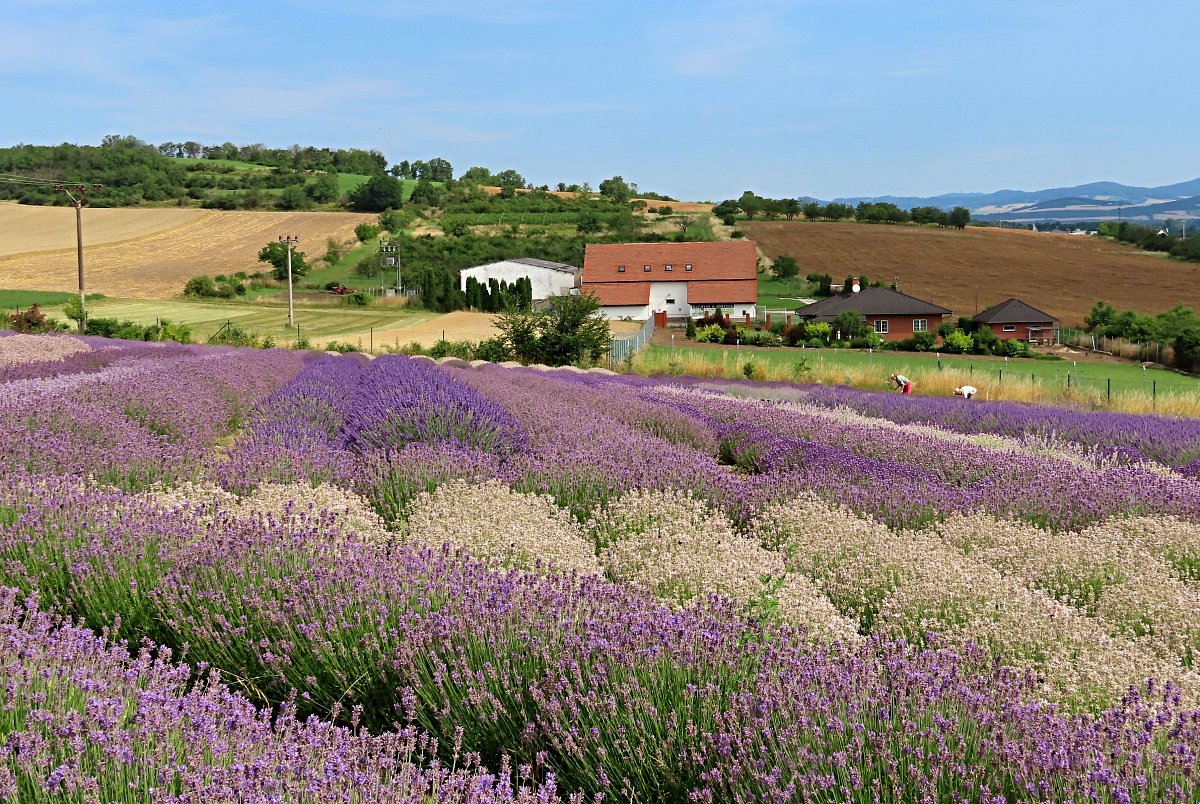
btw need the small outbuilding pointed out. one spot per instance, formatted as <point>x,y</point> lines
<point>547,278</point>
<point>1014,319</point>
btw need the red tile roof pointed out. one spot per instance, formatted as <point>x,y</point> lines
<point>620,293</point>
<point>724,260</point>
<point>740,291</point>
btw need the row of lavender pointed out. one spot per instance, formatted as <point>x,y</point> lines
<point>594,682</point>
<point>589,685</point>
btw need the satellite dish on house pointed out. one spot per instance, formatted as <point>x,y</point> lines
<point>855,287</point>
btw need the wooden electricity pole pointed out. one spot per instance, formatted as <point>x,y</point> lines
<point>78,199</point>
<point>290,240</point>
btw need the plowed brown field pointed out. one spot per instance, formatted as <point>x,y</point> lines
<point>149,253</point>
<point>1062,274</point>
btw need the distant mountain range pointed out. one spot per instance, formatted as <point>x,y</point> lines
<point>1097,201</point>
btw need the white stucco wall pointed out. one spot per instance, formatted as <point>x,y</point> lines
<point>546,281</point>
<point>669,296</point>
<point>638,312</point>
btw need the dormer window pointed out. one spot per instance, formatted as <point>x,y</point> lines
<point>620,269</point>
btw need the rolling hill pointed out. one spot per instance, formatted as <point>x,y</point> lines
<point>1059,273</point>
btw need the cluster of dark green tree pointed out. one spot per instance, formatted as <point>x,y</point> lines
<point>1178,328</point>
<point>1153,238</point>
<point>499,296</point>
<point>752,205</point>
<point>216,287</point>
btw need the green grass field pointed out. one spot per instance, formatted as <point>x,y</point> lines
<point>205,318</point>
<point>857,364</point>
<point>775,294</point>
<point>14,300</point>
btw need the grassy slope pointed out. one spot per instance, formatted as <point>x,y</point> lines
<point>23,299</point>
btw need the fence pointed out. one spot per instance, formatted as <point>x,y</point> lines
<point>1150,351</point>
<point>625,347</point>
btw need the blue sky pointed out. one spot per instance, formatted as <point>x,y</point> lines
<point>698,100</point>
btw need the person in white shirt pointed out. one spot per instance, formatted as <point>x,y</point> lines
<point>966,391</point>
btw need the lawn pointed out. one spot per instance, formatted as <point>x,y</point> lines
<point>783,294</point>
<point>24,299</point>
<point>929,371</point>
<point>315,322</point>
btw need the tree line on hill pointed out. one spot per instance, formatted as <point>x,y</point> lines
<point>1152,238</point>
<point>751,205</point>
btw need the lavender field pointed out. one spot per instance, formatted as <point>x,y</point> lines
<point>261,576</point>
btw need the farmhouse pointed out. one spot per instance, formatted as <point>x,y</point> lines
<point>1013,319</point>
<point>674,280</point>
<point>893,315</point>
<point>548,278</point>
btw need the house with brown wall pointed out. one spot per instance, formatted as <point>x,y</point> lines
<point>893,315</point>
<point>678,280</point>
<point>1014,319</point>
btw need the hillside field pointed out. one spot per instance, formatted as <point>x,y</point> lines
<point>150,253</point>
<point>1059,273</point>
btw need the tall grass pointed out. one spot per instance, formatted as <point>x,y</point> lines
<point>1017,387</point>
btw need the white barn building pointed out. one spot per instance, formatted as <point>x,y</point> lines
<point>548,278</point>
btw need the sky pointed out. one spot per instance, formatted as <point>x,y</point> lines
<point>698,100</point>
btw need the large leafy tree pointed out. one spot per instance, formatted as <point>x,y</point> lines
<point>275,253</point>
<point>378,193</point>
<point>569,331</point>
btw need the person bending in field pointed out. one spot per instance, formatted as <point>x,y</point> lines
<point>966,391</point>
<point>903,384</point>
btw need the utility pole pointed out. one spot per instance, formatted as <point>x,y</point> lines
<point>78,199</point>
<point>290,240</point>
<point>387,256</point>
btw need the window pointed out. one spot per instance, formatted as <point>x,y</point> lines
<point>920,325</point>
<point>646,268</point>
<point>668,267</point>
<point>1010,327</point>
<point>620,269</point>
<point>687,267</point>
<point>670,301</point>
<point>881,326</point>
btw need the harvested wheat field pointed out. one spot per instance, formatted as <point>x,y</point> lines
<point>1061,274</point>
<point>150,253</point>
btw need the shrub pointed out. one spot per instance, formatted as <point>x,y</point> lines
<point>959,342</point>
<point>366,231</point>
<point>713,333</point>
<point>1016,348</point>
<point>359,299</point>
<point>690,330</point>
<point>923,341</point>
<point>494,350</point>
<point>32,320</point>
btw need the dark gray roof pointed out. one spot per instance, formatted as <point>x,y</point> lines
<point>870,301</point>
<point>554,266</point>
<point>1013,311</point>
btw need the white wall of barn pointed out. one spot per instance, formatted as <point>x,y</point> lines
<point>546,281</point>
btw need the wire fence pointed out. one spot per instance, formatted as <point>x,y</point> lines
<point>625,347</point>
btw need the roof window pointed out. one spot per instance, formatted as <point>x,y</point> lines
<point>620,269</point>
<point>687,267</point>
<point>668,267</point>
<point>646,268</point>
